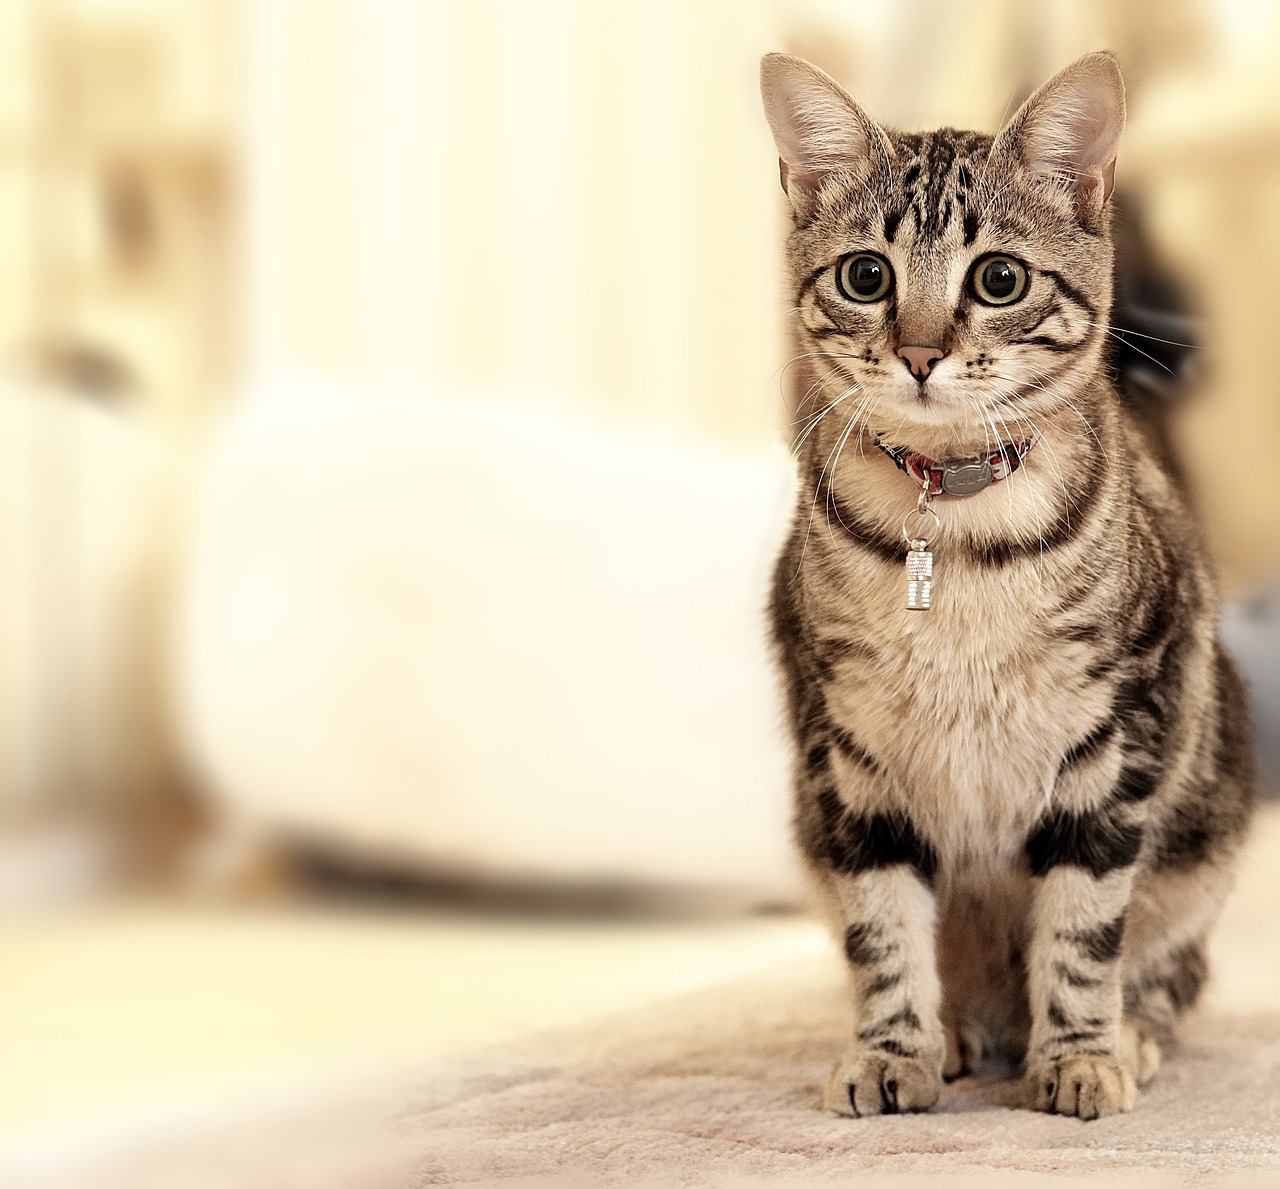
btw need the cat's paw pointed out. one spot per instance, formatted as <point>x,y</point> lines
<point>867,1083</point>
<point>1087,1086</point>
<point>1139,1053</point>
<point>964,1051</point>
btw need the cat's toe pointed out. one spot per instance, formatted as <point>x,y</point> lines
<point>879,1084</point>
<point>1083,1085</point>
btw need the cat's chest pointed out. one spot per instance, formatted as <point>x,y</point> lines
<point>970,705</point>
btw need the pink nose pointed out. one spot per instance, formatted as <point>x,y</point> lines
<point>920,360</point>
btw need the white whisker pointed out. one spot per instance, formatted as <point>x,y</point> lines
<point>1150,337</point>
<point>814,504</point>
<point>1115,335</point>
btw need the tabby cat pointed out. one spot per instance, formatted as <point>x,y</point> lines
<point>1021,777</point>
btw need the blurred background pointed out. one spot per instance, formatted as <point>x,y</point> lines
<point>393,426</point>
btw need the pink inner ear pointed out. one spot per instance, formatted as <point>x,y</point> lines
<point>1108,179</point>
<point>1101,184</point>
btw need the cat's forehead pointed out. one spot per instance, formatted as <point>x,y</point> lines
<point>937,195</point>
<point>938,156</point>
<point>936,187</point>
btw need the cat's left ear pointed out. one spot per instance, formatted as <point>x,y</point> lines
<point>1070,128</point>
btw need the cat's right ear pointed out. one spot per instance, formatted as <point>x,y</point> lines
<point>816,125</point>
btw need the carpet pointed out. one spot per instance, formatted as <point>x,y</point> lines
<point>724,1085</point>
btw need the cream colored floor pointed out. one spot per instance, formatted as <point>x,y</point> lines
<point>119,1010</point>
<point>123,1009</point>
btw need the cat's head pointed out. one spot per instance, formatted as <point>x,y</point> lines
<point>950,279</point>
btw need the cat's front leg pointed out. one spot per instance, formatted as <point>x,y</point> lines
<point>1082,856</point>
<point>894,1061</point>
<point>879,871</point>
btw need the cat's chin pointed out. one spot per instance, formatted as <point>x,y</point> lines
<point>934,410</point>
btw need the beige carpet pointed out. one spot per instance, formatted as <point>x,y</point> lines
<point>719,1086</point>
<point>724,1084</point>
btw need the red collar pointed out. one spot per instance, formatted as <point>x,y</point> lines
<point>960,476</point>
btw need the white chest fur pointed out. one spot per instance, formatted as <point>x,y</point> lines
<point>969,708</point>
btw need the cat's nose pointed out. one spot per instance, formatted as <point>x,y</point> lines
<point>920,360</point>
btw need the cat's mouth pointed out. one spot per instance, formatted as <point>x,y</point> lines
<point>946,401</point>
<point>932,401</point>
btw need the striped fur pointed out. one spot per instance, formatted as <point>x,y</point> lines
<point>1020,808</point>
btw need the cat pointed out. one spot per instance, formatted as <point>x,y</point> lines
<point>1021,781</point>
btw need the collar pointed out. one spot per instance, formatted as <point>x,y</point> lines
<point>960,476</point>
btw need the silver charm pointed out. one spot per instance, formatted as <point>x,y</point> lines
<point>919,577</point>
<point>919,558</point>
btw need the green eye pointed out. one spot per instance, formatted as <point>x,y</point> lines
<point>999,280</point>
<point>864,277</point>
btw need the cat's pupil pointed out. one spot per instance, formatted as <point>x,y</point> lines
<point>999,279</point>
<point>865,276</point>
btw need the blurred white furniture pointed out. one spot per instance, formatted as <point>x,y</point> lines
<point>488,635</point>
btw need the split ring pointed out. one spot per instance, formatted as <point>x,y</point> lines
<point>912,538</point>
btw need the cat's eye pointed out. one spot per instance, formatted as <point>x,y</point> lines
<point>999,280</point>
<point>864,276</point>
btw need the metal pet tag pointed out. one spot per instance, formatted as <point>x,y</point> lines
<point>967,476</point>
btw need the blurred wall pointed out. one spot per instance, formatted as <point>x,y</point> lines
<point>566,197</point>
<point>115,203</point>
<point>115,334</point>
